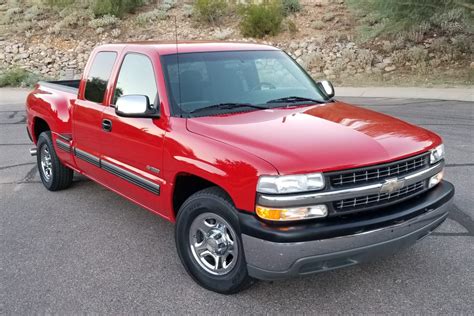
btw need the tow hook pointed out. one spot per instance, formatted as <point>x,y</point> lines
<point>33,151</point>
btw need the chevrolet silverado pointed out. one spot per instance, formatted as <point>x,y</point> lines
<point>264,172</point>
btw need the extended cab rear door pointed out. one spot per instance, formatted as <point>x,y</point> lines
<point>132,148</point>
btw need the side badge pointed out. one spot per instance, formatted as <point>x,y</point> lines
<point>153,169</point>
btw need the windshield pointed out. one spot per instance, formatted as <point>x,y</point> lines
<point>235,78</point>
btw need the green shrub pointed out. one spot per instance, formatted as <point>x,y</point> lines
<point>16,77</point>
<point>259,20</point>
<point>102,7</point>
<point>115,7</point>
<point>210,11</point>
<point>415,16</point>
<point>290,6</point>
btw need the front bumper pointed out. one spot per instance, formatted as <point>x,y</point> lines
<point>276,252</point>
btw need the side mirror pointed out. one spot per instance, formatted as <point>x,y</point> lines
<point>327,88</point>
<point>135,105</point>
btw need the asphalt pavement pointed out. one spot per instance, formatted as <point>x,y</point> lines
<point>86,249</point>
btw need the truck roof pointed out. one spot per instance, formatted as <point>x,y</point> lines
<point>169,47</point>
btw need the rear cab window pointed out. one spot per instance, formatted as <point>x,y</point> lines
<point>99,75</point>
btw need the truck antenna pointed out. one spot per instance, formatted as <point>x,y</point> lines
<point>177,62</point>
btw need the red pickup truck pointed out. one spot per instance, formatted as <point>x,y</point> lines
<point>265,174</point>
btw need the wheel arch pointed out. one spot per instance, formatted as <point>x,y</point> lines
<point>39,126</point>
<point>186,184</point>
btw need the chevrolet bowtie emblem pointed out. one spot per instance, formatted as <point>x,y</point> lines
<point>392,185</point>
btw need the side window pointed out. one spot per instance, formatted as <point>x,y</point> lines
<point>136,77</point>
<point>99,75</point>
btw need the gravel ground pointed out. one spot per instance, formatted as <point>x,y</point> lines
<point>87,249</point>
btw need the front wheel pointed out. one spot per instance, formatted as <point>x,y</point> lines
<point>209,244</point>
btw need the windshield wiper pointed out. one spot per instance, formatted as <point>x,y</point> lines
<point>294,99</point>
<point>229,106</point>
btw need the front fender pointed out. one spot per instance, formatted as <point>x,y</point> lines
<point>234,170</point>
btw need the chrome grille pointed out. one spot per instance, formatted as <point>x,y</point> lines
<point>378,200</point>
<point>378,173</point>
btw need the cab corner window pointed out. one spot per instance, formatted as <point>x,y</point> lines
<point>136,76</point>
<point>98,76</point>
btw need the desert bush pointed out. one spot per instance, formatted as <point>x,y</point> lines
<point>55,29</point>
<point>24,26</point>
<point>100,7</point>
<point>463,44</point>
<point>317,25</point>
<point>115,33</point>
<point>259,20</point>
<point>16,77</point>
<point>115,7</point>
<point>415,16</point>
<point>223,34</point>
<point>371,19</point>
<point>151,16</point>
<point>415,36</point>
<point>365,57</point>
<point>339,67</point>
<point>315,61</point>
<point>10,15</point>
<point>399,57</point>
<point>74,17</point>
<point>348,54</point>
<point>291,26</point>
<point>106,20</point>
<point>167,5</point>
<point>210,11</point>
<point>42,24</point>
<point>441,45</point>
<point>452,21</point>
<point>290,6</point>
<point>328,16</point>
<point>32,13</point>
<point>417,55</point>
<point>188,10</point>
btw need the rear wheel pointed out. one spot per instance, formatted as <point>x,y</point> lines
<point>209,244</point>
<point>54,175</point>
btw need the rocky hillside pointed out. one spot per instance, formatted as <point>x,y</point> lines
<point>322,37</point>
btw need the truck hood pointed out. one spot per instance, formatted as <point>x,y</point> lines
<point>322,137</point>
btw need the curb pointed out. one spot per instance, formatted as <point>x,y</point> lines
<point>453,94</point>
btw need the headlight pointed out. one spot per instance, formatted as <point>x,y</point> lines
<point>290,184</point>
<point>437,154</point>
<point>291,213</point>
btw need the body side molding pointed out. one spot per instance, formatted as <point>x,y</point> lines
<point>63,145</point>
<point>117,171</point>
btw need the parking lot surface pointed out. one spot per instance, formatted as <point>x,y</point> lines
<point>86,249</point>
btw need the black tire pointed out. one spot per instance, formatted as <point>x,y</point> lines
<point>60,176</point>
<point>211,200</point>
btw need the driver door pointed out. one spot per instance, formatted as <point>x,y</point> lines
<point>132,147</point>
